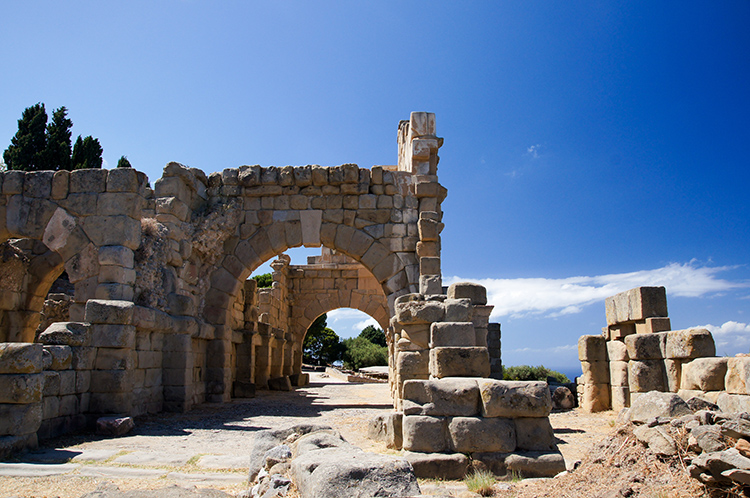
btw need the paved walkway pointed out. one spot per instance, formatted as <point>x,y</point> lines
<point>208,446</point>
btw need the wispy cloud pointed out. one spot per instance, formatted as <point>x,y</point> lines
<point>533,150</point>
<point>733,335</point>
<point>553,350</point>
<point>563,296</point>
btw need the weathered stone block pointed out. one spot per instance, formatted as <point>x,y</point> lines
<point>452,334</point>
<point>111,381</point>
<point>113,230</point>
<point>83,381</point>
<point>114,359</point>
<point>472,434</point>
<point>673,371</point>
<point>534,434</point>
<point>733,403</point>
<point>444,397</point>
<point>66,334</point>
<point>653,325</point>
<point>82,358</point>
<point>647,346</point>
<point>413,364</point>
<point>592,348</point>
<point>62,357</point>
<point>453,466</point>
<point>425,434</point>
<point>512,399</point>
<point>704,374</point>
<point>691,343</point>
<point>467,290</point>
<point>737,379</point>
<point>459,362</point>
<point>67,382</point>
<point>620,396</point>
<point>51,383</point>
<point>647,375</point>
<point>595,372</point>
<point>595,398</point>
<point>21,388</point>
<point>104,311</point>
<point>20,358</point>
<point>88,180</point>
<point>113,336</point>
<point>458,310</point>
<point>17,420</point>
<point>617,351</point>
<point>618,373</point>
<point>636,304</point>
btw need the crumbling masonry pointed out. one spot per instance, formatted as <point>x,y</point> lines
<point>161,314</point>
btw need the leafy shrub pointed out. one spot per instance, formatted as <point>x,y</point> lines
<point>526,372</point>
<point>265,280</point>
<point>360,353</point>
<point>374,335</point>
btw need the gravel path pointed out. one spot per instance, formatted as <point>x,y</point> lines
<point>210,445</point>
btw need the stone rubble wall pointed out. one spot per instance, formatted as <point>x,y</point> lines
<point>637,353</point>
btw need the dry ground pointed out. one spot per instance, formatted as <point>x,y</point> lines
<point>227,431</point>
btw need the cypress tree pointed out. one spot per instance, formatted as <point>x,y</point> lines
<point>27,148</point>
<point>58,141</point>
<point>87,153</point>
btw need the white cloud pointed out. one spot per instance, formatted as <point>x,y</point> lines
<point>359,326</point>
<point>533,150</point>
<point>554,349</point>
<point>732,335</point>
<point>563,296</point>
<point>347,319</point>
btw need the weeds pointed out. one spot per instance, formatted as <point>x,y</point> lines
<point>481,482</point>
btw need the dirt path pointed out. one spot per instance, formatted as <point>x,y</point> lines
<point>209,446</point>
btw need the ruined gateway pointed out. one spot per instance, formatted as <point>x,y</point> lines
<point>162,315</point>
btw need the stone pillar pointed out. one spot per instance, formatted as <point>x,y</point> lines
<point>494,343</point>
<point>262,355</point>
<point>113,333</point>
<point>21,384</point>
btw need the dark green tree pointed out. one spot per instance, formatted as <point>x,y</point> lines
<point>58,150</point>
<point>374,335</point>
<point>87,153</point>
<point>123,162</point>
<point>526,372</point>
<point>360,353</point>
<point>27,148</point>
<point>322,346</point>
<point>265,280</point>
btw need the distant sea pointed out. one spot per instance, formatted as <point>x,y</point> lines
<point>571,372</point>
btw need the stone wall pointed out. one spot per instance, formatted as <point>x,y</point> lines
<point>637,353</point>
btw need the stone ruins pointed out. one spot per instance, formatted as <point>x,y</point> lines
<point>117,298</point>
<point>638,353</point>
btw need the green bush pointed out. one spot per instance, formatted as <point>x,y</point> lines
<point>374,335</point>
<point>265,280</point>
<point>322,346</point>
<point>526,372</point>
<point>360,353</point>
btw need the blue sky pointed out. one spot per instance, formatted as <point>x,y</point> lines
<point>589,146</point>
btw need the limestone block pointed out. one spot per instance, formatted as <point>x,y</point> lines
<point>51,386</point>
<point>673,370</point>
<point>17,420</point>
<point>452,334</point>
<point>647,346</point>
<point>82,358</point>
<point>595,398</point>
<point>636,304</point>
<point>68,405</point>
<point>38,184</point>
<point>429,230</point>
<point>113,230</point>
<point>595,372</point>
<point>530,464</point>
<point>459,362</point>
<point>617,351</point>
<point>21,388</point>
<point>430,284</point>
<point>413,364</point>
<point>620,396</point>
<point>51,407</point>
<point>111,402</point>
<point>418,334</point>
<point>704,374</point>
<point>534,434</point>
<point>28,217</point>
<point>66,334</point>
<point>512,399</point>
<point>647,375</point>
<point>62,357</point>
<point>20,358</point>
<point>59,228</point>
<point>592,348</point>
<point>429,265</point>
<point>618,373</point>
<point>467,290</point>
<point>60,183</point>
<point>67,382</point>
<point>113,336</point>
<point>420,312</point>
<point>445,397</point>
<point>111,381</point>
<point>122,180</point>
<point>690,343</point>
<point>733,403</point>
<point>737,379</point>
<point>453,466</point>
<point>114,359</point>
<point>458,310</point>
<point>425,434</point>
<point>621,331</point>
<point>104,311</point>
<point>83,381</point>
<point>88,180</point>
<point>653,325</point>
<point>472,434</point>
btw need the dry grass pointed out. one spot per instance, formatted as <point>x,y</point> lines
<point>481,482</point>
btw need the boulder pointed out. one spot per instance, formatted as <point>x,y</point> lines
<point>657,404</point>
<point>114,426</point>
<point>563,399</point>
<point>657,439</point>
<point>708,437</point>
<point>267,439</point>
